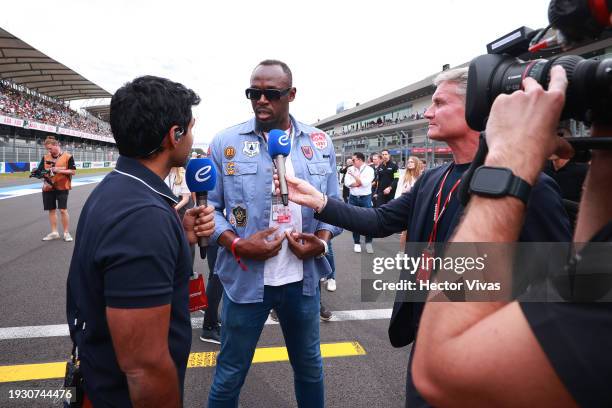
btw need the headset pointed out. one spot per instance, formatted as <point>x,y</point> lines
<point>178,133</point>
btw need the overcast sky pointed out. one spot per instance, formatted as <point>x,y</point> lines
<point>350,51</point>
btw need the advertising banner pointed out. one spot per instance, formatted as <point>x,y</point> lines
<point>86,165</point>
<point>97,165</point>
<point>40,126</point>
<point>15,167</point>
<point>78,164</point>
<point>1,167</point>
<point>5,120</point>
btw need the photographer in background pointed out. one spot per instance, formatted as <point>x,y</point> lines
<point>56,185</point>
<point>523,354</point>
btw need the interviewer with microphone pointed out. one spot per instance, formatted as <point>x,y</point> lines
<point>128,295</point>
<point>273,252</point>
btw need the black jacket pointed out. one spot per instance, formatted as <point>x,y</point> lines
<point>546,221</point>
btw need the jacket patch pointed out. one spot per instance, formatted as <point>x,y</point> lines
<point>229,152</point>
<point>251,149</point>
<point>319,140</point>
<point>240,214</point>
<point>308,153</point>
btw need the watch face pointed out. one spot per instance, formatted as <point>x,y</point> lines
<point>491,180</point>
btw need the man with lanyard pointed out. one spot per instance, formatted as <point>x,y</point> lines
<point>359,179</point>
<point>56,186</point>
<point>272,256</point>
<point>388,175</point>
<point>417,211</point>
<point>556,353</point>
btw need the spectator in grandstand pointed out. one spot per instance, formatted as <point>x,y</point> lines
<point>14,102</point>
<point>56,186</point>
<point>128,285</point>
<point>284,271</point>
<point>414,169</point>
<point>359,179</point>
<point>526,354</point>
<point>431,210</point>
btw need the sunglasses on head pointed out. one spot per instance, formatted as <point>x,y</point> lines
<point>254,94</point>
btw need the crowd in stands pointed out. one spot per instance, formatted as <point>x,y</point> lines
<point>381,122</point>
<point>21,105</point>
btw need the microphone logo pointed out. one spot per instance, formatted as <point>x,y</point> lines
<point>283,140</point>
<point>203,174</point>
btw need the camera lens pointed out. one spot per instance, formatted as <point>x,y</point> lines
<point>588,95</point>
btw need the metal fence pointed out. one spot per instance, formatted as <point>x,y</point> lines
<point>35,152</point>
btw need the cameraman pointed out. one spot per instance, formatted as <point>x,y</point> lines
<point>522,354</point>
<point>60,168</point>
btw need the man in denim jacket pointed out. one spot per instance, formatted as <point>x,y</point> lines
<point>272,255</point>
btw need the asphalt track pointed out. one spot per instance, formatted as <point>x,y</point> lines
<point>361,368</point>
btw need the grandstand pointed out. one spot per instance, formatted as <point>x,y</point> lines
<point>35,91</point>
<point>395,121</point>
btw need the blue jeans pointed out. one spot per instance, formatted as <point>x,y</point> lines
<point>242,325</point>
<point>364,201</point>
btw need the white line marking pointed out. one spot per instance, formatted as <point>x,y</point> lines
<point>60,330</point>
<point>36,188</point>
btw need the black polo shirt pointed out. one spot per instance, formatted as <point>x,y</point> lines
<point>387,175</point>
<point>130,252</point>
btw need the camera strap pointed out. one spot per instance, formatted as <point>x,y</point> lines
<point>479,159</point>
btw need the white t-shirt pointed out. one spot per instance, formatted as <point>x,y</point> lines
<point>285,267</point>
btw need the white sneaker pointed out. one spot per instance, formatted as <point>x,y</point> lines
<point>357,248</point>
<point>51,236</point>
<point>369,248</point>
<point>67,237</point>
<point>331,285</point>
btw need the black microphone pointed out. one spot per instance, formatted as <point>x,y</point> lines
<point>279,147</point>
<point>201,178</point>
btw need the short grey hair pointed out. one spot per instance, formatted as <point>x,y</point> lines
<point>458,76</point>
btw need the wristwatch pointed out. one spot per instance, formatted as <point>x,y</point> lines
<point>325,251</point>
<point>497,182</point>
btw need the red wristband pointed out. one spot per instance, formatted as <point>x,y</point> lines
<point>236,257</point>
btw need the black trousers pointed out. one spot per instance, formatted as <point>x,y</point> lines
<point>214,289</point>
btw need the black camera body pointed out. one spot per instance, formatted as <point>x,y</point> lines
<point>589,92</point>
<point>588,96</point>
<point>40,173</point>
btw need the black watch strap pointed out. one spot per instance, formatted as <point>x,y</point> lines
<point>498,182</point>
<point>519,188</point>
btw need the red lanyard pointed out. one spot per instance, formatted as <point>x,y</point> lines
<point>437,216</point>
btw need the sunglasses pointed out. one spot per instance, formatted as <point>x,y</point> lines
<point>254,94</point>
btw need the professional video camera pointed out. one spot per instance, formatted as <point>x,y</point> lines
<point>575,25</point>
<point>41,173</point>
<point>519,54</point>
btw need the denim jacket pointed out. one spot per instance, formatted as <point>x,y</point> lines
<point>242,199</point>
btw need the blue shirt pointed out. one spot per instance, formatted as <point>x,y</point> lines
<point>130,252</point>
<point>243,198</point>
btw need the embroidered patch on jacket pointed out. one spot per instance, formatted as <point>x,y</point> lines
<point>319,140</point>
<point>230,168</point>
<point>240,213</point>
<point>308,153</point>
<point>229,152</point>
<point>251,149</point>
